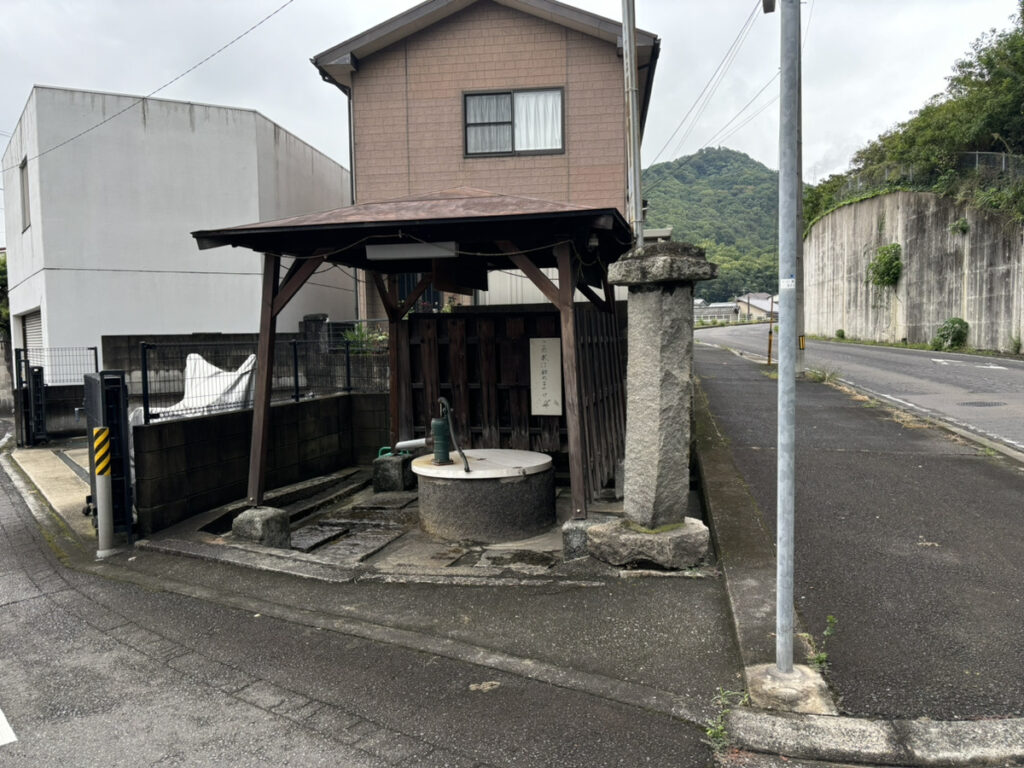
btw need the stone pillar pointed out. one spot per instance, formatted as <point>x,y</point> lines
<point>659,384</point>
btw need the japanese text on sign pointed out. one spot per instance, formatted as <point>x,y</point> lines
<point>546,377</point>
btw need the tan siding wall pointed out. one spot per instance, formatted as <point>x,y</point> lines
<point>407,107</point>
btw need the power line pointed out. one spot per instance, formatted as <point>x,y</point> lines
<point>720,135</point>
<point>162,87</point>
<point>725,62</point>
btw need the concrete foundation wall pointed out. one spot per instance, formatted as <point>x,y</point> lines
<point>189,466</point>
<point>977,275</point>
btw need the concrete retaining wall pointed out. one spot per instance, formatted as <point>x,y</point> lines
<point>189,466</point>
<point>977,275</point>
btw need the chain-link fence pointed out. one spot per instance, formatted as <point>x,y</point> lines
<point>990,166</point>
<point>195,378</point>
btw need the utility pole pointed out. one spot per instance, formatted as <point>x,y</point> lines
<point>790,192</point>
<point>634,196</point>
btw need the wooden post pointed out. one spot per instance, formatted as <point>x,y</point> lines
<point>566,288</point>
<point>264,380</point>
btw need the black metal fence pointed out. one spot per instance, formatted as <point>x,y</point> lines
<point>61,365</point>
<point>49,384</point>
<point>208,377</point>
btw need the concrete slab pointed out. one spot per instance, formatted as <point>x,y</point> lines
<point>62,488</point>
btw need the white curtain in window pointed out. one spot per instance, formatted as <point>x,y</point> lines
<point>489,108</point>
<point>489,123</point>
<point>488,138</point>
<point>538,120</point>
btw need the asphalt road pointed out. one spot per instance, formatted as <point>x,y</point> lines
<point>125,668</point>
<point>982,394</point>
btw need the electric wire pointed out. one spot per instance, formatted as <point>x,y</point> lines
<point>162,87</point>
<point>725,62</point>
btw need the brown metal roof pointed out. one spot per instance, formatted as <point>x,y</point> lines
<point>476,219</point>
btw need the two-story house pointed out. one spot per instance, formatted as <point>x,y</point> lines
<point>519,97</point>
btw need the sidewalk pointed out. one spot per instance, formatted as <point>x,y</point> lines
<point>908,536</point>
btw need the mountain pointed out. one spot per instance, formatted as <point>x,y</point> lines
<point>726,202</point>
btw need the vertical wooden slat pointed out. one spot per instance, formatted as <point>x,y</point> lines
<point>264,381</point>
<point>577,461</point>
<point>603,374</point>
<point>587,399</point>
<point>431,380</point>
<point>459,378</point>
<point>515,370</point>
<point>488,383</point>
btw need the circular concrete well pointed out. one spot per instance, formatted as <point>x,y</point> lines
<point>506,495</point>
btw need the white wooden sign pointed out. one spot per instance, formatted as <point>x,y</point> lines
<point>546,377</point>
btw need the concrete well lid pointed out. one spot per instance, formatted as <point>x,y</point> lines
<point>484,464</point>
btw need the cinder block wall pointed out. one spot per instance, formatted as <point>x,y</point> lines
<point>189,466</point>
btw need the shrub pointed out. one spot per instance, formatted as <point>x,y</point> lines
<point>960,226</point>
<point>885,269</point>
<point>840,334</point>
<point>952,334</point>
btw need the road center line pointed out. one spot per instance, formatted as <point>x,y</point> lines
<point>6,734</point>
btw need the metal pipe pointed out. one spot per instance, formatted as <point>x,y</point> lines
<point>633,193</point>
<point>446,412</point>
<point>410,445</point>
<point>789,192</point>
<point>104,492</point>
<point>144,349</point>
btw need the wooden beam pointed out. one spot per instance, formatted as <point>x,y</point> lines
<point>385,293</point>
<point>596,300</point>
<point>577,462</point>
<point>525,263</point>
<point>299,272</point>
<point>421,286</point>
<point>609,292</point>
<point>264,381</point>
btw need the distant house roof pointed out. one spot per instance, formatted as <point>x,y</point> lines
<point>762,301</point>
<point>337,64</point>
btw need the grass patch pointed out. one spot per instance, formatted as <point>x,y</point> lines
<point>823,376</point>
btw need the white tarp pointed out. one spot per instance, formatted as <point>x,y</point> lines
<point>209,389</point>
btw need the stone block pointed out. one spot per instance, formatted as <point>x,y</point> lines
<point>622,543</point>
<point>574,538</point>
<point>267,526</point>
<point>802,691</point>
<point>393,473</point>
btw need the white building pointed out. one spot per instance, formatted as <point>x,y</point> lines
<point>99,215</point>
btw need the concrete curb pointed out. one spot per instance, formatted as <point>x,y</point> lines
<point>748,562</point>
<point>918,742</point>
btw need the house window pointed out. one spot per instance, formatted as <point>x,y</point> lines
<point>23,174</point>
<point>514,122</point>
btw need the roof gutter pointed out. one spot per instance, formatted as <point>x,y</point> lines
<point>650,66</point>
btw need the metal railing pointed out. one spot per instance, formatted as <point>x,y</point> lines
<point>207,377</point>
<point>61,365</point>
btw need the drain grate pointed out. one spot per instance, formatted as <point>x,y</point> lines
<point>981,404</point>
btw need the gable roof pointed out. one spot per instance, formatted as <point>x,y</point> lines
<point>337,64</point>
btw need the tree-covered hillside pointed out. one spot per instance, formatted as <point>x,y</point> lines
<point>979,112</point>
<point>726,202</point>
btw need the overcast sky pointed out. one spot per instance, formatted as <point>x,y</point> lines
<point>868,64</point>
